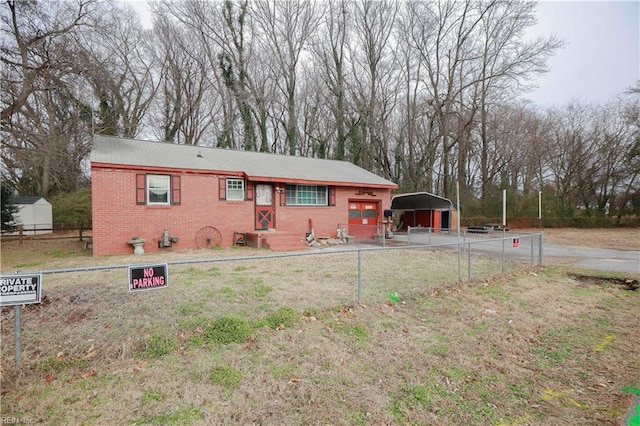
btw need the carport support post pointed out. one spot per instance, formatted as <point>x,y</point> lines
<point>17,322</point>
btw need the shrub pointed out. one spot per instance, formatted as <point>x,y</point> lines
<point>72,208</point>
<point>282,317</point>
<point>227,330</point>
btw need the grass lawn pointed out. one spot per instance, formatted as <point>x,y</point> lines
<point>280,341</point>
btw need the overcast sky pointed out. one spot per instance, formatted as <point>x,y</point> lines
<point>600,60</point>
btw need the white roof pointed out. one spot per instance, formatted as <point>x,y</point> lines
<point>254,165</point>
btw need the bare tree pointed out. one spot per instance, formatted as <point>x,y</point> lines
<point>182,110</point>
<point>31,30</point>
<point>119,67</point>
<point>329,47</point>
<point>45,137</point>
<point>287,28</point>
<point>375,81</point>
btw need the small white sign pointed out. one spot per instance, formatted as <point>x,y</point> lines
<point>20,289</point>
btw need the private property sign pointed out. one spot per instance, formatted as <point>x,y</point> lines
<point>148,277</point>
<point>20,289</point>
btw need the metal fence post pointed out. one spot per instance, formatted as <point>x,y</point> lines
<point>17,321</point>
<point>359,275</point>
<point>540,255</point>
<point>469,262</point>
<point>503,251</point>
<point>459,272</point>
<point>532,251</point>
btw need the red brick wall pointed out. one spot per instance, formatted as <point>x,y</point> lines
<point>117,218</point>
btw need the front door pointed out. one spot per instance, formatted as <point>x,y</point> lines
<point>264,207</point>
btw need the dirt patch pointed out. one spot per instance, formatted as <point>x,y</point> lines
<point>602,281</point>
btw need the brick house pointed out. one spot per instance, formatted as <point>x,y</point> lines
<point>185,197</point>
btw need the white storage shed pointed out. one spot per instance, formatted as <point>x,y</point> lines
<point>34,214</point>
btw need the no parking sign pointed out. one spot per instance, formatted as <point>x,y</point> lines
<point>148,277</point>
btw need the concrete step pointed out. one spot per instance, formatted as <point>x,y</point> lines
<point>277,240</point>
<point>285,242</point>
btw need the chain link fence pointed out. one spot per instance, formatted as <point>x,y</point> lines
<point>421,261</point>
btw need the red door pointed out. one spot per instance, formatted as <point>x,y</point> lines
<point>265,210</point>
<point>363,219</point>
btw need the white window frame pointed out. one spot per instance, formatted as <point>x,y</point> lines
<point>293,197</point>
<point>235,193</point>
<point>159,183</point>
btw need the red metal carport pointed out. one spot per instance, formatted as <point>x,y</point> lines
<point>424,209</point>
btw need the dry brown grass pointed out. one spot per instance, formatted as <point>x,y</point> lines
<point>532,347</point>
<point>613,238</point>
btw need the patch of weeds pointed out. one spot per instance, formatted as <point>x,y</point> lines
<point>582,375</point>
<point>357,333</point>
<point>356,415</point>
<point>284,371</point>
<point>191,323</point>
<point>26,265</point>
<point>240,268</point>
<point>340,308</point>
<point>546,354</point>
<point>70,400</point>
<point>214,271</point>
<point>481,326</point>
<point>437,350</point>
<point>227,377</point>
<point>603,321</point>
<point>194,341</point>
<point>241,279</point>
<point>159,344</point>
<point>189,308</point>
<point>315,313</point>
<point>326,274</point>
<point>64,254</point>
<point>227,330</point>
<point>227,292</point>
<point>180,417</point>
<point>519,390</point>
<point>55,365</point>
<point>208,293</point>
<point>260,291</point>
<point>284,317</point>
<point>410,400</point>
<point>195,272</point>
<point>150,396</point>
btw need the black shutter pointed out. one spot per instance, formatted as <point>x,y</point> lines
<point>222,188</point>
<point>332,195</point>
<point>248,191</point>
<point>175,190</point>
<point>141,189</point>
